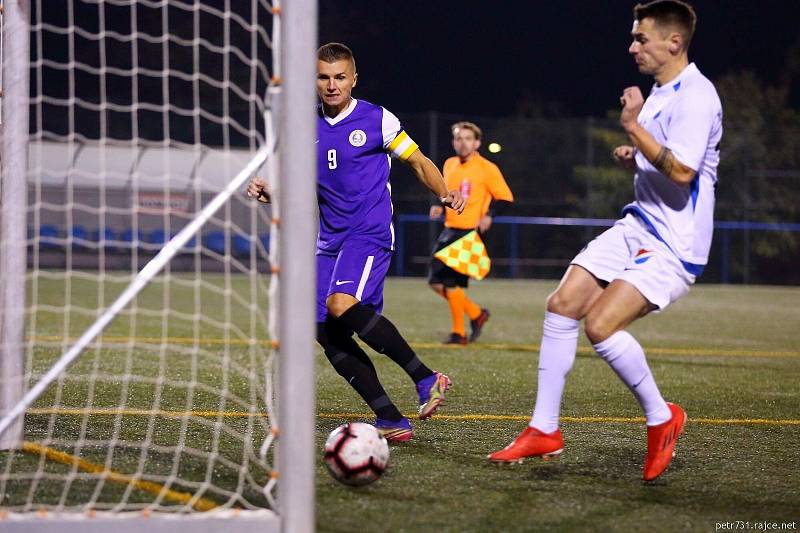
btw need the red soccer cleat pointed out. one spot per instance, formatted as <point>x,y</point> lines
<point>661,441</point>
<point>530,443</point>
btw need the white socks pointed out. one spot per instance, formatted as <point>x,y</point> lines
<point>624,354</point>
<point>557,353</point>
<point>621,351</point>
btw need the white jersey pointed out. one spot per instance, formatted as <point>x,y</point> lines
<point>684,115</point>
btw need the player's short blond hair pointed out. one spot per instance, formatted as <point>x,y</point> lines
<point>467,126</point>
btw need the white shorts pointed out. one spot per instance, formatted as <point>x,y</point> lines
<point>629,252</point>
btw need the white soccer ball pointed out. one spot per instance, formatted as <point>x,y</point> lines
<point>356,453</point>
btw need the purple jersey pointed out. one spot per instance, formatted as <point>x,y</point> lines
<point>353,165</point>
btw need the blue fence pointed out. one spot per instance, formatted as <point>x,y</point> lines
<point>520,247</point>
<point>509,251</point>
<point>52,237</point>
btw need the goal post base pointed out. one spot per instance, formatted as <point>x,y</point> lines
<point>264,521</point>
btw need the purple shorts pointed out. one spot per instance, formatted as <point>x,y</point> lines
<point>358,270</point>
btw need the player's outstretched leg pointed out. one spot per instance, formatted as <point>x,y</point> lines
<point>382,336</point>
<point>350,362</point>
<point>665,421</point>
<point>542,438</point>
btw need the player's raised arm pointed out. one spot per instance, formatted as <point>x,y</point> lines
<point>428,174</point>
<point>658,155</point>
<point>401,146</point>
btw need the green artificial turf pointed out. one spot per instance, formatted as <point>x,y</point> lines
<point>730,355</point>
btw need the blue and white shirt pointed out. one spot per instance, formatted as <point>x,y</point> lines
<point>684,115</point>
<point>354,152</point>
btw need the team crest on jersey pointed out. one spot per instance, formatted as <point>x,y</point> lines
<point>642,256</point>
<point>466,188</point>
<point>358,138</point>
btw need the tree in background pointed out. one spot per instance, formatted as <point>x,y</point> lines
<point>760,174</point>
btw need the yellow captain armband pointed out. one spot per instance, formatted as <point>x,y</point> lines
<point>402,146</point>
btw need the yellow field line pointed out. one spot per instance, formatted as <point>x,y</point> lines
<point>591,419</point>
<point>201,504</point>
<point>475,417</point>
<point>585,350</point>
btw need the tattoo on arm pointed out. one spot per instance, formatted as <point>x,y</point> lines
<point>664,161</point>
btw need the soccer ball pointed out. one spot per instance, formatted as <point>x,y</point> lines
<point>356,453</point>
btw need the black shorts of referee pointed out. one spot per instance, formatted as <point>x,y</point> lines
<point>441,274</point>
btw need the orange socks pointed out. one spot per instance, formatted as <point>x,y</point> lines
<point>473,310</point>
<point>459,304</point>
<point>455,299</point>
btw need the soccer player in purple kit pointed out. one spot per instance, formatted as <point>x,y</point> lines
<point>356,142</point>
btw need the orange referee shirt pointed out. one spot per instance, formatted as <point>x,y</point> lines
<point>479,181</point>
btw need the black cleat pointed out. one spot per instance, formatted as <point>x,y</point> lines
<point>477,324</point>
<point>455,338</point>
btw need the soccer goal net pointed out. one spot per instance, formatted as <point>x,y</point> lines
<point>144,374</point>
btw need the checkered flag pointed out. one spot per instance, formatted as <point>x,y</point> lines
<point>467,256</point>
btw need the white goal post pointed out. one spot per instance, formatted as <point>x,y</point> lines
<point>144,384</point>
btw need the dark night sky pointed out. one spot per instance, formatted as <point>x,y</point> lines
<point>481,58</point>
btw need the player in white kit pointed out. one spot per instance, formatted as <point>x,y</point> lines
<point>650,257</point>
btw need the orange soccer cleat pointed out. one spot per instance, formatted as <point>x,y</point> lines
<point>530,443</point>
<point>661,441</point>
